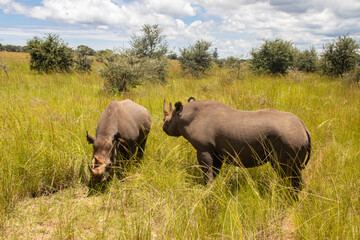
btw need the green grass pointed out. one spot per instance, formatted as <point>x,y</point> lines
<point>44,157</point>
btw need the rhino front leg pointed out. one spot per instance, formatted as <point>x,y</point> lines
<point>210,165</point>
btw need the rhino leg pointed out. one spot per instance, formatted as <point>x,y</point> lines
<point>290,172</point>
<point>297,180</point>
<point>210,165</point>
<point>141,149</point>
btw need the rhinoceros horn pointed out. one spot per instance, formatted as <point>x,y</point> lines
<point>91,170</point>
<point>99,171</point>
<point>164,107</point>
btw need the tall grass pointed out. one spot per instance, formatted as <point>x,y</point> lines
<point>44,154</point>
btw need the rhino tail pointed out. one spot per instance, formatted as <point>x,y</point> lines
<point>308,147</point>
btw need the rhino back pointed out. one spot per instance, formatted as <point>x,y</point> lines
<point>217,126</point>
<point>125,117</point>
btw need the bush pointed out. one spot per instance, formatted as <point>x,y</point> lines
<point>273,57</point>
<point>197,58</point>
<point>340,56</point>
<point>155,69</point>
<point>89,51</point>
<point>4,68</point>
<point>121,71</point>
<point>83,61</point>
<point>145,61</point>
<point>151,44</point>
<point>172,56</point>
<point>50,54</point>
<point>151,48</point>
<point>126,70</point>
<point>352,76</point>
<point>234,64</point>
<point>306,61</point>
<point>102,55</point>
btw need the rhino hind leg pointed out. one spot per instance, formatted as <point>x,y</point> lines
<point>141,149</point>
<point>292,174</point>
<point>297,180</point>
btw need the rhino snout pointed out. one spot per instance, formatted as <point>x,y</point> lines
<point>99,174</point>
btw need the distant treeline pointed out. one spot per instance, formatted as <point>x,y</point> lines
<point>12,48</point>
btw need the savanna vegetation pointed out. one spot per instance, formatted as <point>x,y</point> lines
<point>44,156</point>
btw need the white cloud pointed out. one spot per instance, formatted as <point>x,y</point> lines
<point>234,26</point>
<point>9,7</point>
<point>104,12</point>
<point>177,8</point>
<point>95,12</point>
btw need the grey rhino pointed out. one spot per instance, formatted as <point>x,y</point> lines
<point>245,138</point>
<point>123,127</point>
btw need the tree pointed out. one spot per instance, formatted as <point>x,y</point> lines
<point>89,51</point>
<point>215,54</point>
<point>307,60</point>
<point>340,56</point>
<point>151,44</point>
<point>172,56</point>
<point>50,54</point>
<point>272,57</point>
<point>83,62</point>
<point>197,58</point>
<point>11,48</point>
<point>151,47</point>
<point>145,61</point>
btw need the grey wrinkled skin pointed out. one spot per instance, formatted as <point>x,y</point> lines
<point>122,129</point>
<point>220,133</point>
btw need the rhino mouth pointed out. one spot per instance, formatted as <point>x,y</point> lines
<point>99,173</point>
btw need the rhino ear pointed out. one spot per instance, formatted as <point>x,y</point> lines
<point>191,99</point>
<point>89,138</point>
<point>178,107</point>
<point>117,137</point>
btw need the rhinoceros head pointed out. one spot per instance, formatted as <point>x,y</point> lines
<point>104,156</point>
<point>171,119</point>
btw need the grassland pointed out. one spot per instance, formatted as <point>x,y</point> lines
<point>44,157</point>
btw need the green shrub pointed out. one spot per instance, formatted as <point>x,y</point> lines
<point>352,76</point>
<point>340,56</point>
<point>126,70</point>
<point>306,61</point>
<point>50,54</point>
<point>197,58</point>
<point>235,66</point>
<point>151,48</point>
<point>89,51</point>
<point>272,57</point>
<point>145,61</point>
<point>83,61</point>
<point>4,68</point>
<point>102,55</point>
<point>121,71</point>
<point>151,44</point>
<point>155,69</point>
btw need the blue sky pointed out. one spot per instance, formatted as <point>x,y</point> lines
<point>233,27</point>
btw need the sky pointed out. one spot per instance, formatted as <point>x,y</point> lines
<point>234,27</point>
